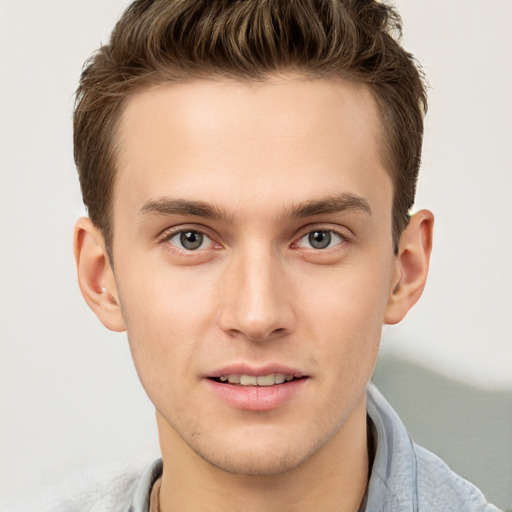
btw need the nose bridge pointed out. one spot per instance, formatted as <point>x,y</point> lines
<point>255,303</point>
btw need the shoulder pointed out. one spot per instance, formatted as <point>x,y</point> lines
<point>109,488</point>
<point>439,488</point>
<point>406,477</point>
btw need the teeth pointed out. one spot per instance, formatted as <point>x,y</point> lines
<point>280,378</point>
<point>267,380</point>
<point>252,380</point>
<point>248,380</point>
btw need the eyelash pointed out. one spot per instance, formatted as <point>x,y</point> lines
<point>332,234</point>
<point>167,236</point>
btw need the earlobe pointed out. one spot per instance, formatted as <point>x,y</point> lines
<point>95,275</point>
<point>412,264</point>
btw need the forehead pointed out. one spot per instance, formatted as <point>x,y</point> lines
<point>285,140</point>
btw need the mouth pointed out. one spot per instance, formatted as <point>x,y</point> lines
<point>250,388</point>
<point>272,379</point>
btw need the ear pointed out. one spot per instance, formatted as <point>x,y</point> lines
<point>95,275</point>
<point>412,264</point>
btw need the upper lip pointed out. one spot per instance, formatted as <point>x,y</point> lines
<point>256,370</point>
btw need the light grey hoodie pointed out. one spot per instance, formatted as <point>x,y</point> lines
<point>406,477</point>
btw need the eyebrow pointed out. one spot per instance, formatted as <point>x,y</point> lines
<point>166,206</point>
<point>334,204</point>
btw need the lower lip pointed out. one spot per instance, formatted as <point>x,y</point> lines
<point>257,398</point>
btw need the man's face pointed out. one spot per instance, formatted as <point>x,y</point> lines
<point>252,244</point>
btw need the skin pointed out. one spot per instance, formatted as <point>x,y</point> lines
<point>256,292</point>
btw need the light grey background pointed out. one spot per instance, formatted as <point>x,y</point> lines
<point>69,396</point>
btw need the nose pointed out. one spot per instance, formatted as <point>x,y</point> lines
<point>256,302</point>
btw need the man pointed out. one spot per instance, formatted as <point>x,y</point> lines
<point>248,168</point>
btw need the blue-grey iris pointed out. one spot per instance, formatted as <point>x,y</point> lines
<point>320,239</point>
<point>191,240</point>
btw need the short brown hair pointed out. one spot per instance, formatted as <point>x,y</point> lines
<point>158,41</point>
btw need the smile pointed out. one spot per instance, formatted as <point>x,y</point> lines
<point>258,392</point>
<point>253,380</point>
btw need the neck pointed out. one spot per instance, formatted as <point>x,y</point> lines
<point>334,479</point>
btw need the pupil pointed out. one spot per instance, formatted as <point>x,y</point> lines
<point>320,239</point>
<point>191,240</point>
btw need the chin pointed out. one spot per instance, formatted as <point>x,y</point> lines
<point>263,464</point>
<point>262,457</point>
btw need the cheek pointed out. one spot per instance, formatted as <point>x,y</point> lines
<point>345,310</point>
<point>166,316</point>
<point>164,299</point>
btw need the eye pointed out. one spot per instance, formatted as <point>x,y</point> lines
<point>191,240</point>
<point>320,239</point>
